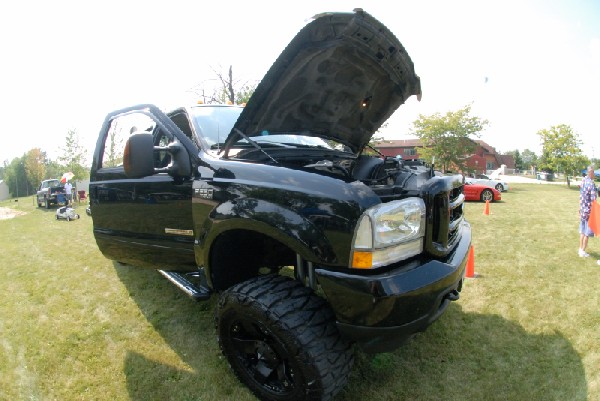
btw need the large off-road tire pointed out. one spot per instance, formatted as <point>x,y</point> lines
<point>281,340</point>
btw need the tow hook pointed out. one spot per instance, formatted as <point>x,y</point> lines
<point>453,295</point>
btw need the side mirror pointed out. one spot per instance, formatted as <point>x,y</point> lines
<point>138,155</point>
<point>180,160</point>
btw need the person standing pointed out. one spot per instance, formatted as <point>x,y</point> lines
<point>587,195</point>
<point>68,192</point>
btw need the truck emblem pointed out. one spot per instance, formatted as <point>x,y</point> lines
<point>178,231</point>
<point>205,193</point>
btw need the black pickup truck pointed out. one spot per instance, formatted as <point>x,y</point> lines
<point>311,242</point>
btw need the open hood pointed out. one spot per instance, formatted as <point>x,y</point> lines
<point>341,77</point>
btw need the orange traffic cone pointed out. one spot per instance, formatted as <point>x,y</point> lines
<point>486,211</point>
<point>470,271</point>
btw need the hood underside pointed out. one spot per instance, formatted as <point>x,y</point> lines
<point>341,77</point>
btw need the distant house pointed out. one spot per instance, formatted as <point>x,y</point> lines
<point>483,159</point>
<point>4,194</point>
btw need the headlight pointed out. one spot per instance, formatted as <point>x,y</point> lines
<point>388,233</point>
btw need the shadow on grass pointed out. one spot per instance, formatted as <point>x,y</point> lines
<point>463,356</point>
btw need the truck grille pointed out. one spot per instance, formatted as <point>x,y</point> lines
<point>445,199</point>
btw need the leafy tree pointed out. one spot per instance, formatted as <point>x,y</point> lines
<point>561,150</point>
<point>73,156</point>
<point>35,166</point>
<point>518,160</point>
<point>528,159</point>
<point>16,177</point>
<point>447,139</point>
<point>53,169</point>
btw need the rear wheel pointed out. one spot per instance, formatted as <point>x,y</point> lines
<point>487,195</point>
<point>281,340</point>
<point>499,187</point>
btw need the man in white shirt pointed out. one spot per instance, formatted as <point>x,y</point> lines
<point>68,192</point>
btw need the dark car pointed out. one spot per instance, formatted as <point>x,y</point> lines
<point>50,192</point>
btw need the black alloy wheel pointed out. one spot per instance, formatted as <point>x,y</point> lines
<point>281,340</point>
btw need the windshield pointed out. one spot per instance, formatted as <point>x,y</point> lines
<point>51,183</point>
<point>214,123</point>
<point>291,140</point>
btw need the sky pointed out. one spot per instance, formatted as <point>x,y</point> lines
<point>523,65</point>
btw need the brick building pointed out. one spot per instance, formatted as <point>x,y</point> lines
<point>483,159</point>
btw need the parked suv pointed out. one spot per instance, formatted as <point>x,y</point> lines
<point>310,243</point>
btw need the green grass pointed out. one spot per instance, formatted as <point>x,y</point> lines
<point>75,326</point>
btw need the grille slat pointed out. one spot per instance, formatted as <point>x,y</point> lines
<point>447,214</point>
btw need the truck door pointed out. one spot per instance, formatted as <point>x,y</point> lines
<point>143,221</point>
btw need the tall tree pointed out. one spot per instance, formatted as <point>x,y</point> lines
<point>561,150</point>
<point>517,157</point>
<point>16,177</point>
<point>74,156</point>
<point>448,139</point>
<point>228,89</point>
<point>35,166</point>
<point>529,159</point>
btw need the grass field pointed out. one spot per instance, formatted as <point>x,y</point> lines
<point>76,326</point>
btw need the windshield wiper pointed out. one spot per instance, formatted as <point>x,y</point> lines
<point>246,137</point>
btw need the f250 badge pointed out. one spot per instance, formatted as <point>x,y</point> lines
<point>204,193</point>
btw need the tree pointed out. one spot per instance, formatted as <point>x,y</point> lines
<point>529,159</point>
<point>35,166</point>
<point>53,169</point>
<point>73,156</point>
<point>518,160</point>
<point>447,139</point>
<point>561,151</point>
<point>228,90</point>
<point>16,177</point>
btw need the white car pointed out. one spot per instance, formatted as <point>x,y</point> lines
<point>500,185</point>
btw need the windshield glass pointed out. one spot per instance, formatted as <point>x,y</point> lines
<point>289,140</point>
<point>214,123</point>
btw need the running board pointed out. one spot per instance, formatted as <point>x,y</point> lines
<point>198,292</point>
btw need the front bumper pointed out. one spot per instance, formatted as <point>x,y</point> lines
<point>380,312</point>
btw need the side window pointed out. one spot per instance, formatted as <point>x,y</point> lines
<point>119,130</point>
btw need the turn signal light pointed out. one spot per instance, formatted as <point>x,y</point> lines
<point>362,260</point>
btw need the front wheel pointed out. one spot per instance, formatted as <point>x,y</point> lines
<point>281,340</point>
<point>487,195</point>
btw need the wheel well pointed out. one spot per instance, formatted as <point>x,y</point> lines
<point>238,255</point>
